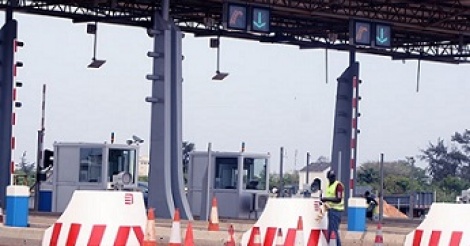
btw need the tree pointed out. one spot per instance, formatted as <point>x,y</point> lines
<point>289,179</point>
<point>442,162</point>
<point>396,177</point>
<point>367,175</point>
<point>25,167</point>
<point>26,171</point>
<point>463,139</point>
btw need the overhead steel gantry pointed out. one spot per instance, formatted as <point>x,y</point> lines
<point>433,30</point>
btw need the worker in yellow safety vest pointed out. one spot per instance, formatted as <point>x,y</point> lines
<point>334,199</point>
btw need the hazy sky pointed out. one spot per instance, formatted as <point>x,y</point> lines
<point>274,96</point>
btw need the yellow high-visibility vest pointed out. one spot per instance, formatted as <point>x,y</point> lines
<point>331,193</point>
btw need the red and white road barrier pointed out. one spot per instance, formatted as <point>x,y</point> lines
<point>100,218</point>
<point>445,225</point>
<point>284,213</point>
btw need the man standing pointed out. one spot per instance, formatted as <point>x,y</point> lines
<point>334,199</point>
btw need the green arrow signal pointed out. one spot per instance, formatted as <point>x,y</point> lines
<point>259,23</point>
<point>382,38</point>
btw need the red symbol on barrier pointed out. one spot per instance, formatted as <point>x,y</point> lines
<point>269,236</point>
<point>96,235</point>
<point>128,199</point>
<point>435,238</point>
<point>314,238</point>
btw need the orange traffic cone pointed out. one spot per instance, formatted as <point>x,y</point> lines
<point>299,235</point>
<point>379,240</point>
<point>279,238</point>
<point>214,218</point>
<point>230,240</point>
<point>255,237</point>
<point>150,237</point>
<point>333,241</point>
<point>175,236</point>
<point>189,238</point>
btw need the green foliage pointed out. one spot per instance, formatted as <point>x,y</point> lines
<point>289,179</point>
<point>397,177</point>
<point>449,160</point>
<point>447,172</point>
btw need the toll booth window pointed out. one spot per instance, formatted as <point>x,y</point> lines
<point>226,173</point>
<point>121,160</point>
<point>91,160</point>
<point>254,173</point>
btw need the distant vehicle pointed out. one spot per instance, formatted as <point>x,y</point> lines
<point>144,188</point>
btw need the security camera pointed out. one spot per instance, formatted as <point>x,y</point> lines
<point>137,139</point>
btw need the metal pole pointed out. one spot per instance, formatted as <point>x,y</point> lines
<point>411,203</point>
<point>381,196</point>
<point>218,53</point>
<point>95,40</point>
<point>209,176</point>
<point>339,166</point>
<point>165,9</point>
<point>40,149</point>
<point>308,168</point>
<point>281,174</point>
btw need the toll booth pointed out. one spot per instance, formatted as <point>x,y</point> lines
<point>90,166</point>
<point>238,180</point>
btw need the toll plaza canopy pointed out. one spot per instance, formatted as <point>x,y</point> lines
<point>433,30</point>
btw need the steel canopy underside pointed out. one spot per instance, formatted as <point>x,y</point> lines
<point>435,30</point>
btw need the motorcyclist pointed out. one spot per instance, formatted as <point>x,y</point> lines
<point>371,205</point>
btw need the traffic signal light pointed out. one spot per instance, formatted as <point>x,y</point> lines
<point>48,159</point>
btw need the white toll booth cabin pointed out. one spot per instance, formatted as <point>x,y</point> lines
<point>90,166</point>
<point>238,180</point>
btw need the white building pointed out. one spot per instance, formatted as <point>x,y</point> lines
<point>315,171</point>
<point>143,166</point>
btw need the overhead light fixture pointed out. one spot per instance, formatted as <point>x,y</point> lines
<point>219,76</point>
<point>95,63</point>
<point>215,43</point>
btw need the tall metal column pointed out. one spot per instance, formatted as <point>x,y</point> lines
<point>177,176</point>
<point>166,187</point>
<point>8,35</point>
<point>342,127</point>
<point>160,189</point>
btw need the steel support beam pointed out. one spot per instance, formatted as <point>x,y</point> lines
<point>166,186</point>
<point>8,35</point>
<point>341,151</point>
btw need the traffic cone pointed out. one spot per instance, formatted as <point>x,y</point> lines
<point>189,238</point>
<point>279,238</point>
<point>175,236</point>
<point>379,240</point>
<point>255,237</point>
<point>214,218</point>
<point>150,237</point>
<point>333,241</point>
<point>230,240</point>
<point>299,235</point>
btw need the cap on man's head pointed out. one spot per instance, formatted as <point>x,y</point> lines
<point>331,174</point>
